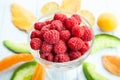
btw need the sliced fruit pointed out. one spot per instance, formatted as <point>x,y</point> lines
<point>49,7</point>
<point>112,64</point>
<point>91,73</point>
<point>14,59</point>
<point>87,15</point>
<point>70,5</point>
<point>24,72</point>
<point>21,17</point>
<point>39,73</point>
<point>104,41</point>
<point>16,47</point>
<point>107,22</point>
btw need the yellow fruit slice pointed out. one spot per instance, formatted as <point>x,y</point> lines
<point>87,15</point>
<point>112,64</point>
<point>21,17</point>
<point>107,22</point>
<point>70,5</point>
<point>49,7</point>
<point>39,73</point>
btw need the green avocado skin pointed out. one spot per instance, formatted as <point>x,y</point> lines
<point>16,47</point>
<point>102,41</point>
<point>91,73</point>
<point>24,72</point>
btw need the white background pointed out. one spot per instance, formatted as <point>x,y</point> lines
<point>8,31</point>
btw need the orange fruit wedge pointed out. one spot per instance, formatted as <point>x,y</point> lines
<point>14,59</point>
<point>39,73</point>
<point>70,5</point>
<point>112,64</point>
<point>21,17</point>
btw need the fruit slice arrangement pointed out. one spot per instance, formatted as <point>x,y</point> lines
<point>14,59</point>
<point>21,17</point>
<point>62,39</point>
<point>105,41</point>
<point>70,5</point>
<point>112,64</point>
<point>16,47</point>
<point>24,72</point>
<point>91,73</point>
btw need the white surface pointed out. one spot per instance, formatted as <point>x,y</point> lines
<point>8,31</point>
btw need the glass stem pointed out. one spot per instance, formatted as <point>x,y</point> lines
<point>61,75</point>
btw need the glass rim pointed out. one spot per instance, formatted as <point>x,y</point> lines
<point>62,63</point>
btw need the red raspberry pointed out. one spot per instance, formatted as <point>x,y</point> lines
<point>59,16</point>
<point>46,47</point>
<point>51,36</point>
<point>35,34</point>
<point>84,48</point>
<point>74,55</point>
<point>65,35</point>
<point>39,25</point>
<point>88,35</point>
<point>70,23</point>
<point>77,31</point>
<point>61,58</point>
<point>77,17</point>
<point>35,43</point>
<point>43,30</point>
<point>48,22</point>
<point>56,24</point>
<point>47,56</point>
<point>75,43</point>
<point>60,47</point>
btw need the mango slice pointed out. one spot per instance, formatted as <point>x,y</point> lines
<point>70,5</point>
<point>49,7</point>
<point>87,15</point>
<point>21,17</point>
<point>112,64</point>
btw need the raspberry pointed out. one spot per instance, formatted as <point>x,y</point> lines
<point>74,55</point>
<point>46,47</point>
<point>75,43</point>
<point>88,35</point>
<point>77,17</point>
<point>48,22</point>
<point>77,31</point>
<point>70,23</point>
<point>35,34</point>
<point>47,56</point>
<point>65,35</point>
<point>35,43</point>
<point>39,25</point>
<point>56,24</point>
<point>61,58</point>
<point>84,48</point>
<point>59,16</point>
<point>60,47</point>
<point>51,36</point>
<point>43,30</point>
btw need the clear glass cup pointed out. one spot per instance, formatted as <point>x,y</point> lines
<point>65,70</point>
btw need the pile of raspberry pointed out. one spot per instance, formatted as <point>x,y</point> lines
<point>61,39</point>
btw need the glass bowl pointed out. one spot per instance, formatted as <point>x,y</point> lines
<point>65,65</point>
